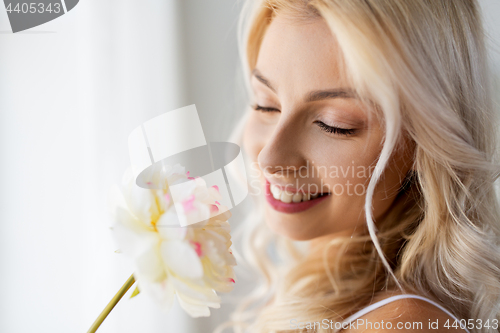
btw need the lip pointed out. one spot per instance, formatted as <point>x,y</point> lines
<point>293,207</point>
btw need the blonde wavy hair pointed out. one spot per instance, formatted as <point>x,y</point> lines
<point>424,62</point>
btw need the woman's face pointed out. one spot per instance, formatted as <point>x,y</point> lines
<point>310,134</point>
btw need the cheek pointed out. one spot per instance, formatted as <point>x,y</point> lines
<point>347,164</point>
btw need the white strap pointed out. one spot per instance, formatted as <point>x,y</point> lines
<point>378,304</point>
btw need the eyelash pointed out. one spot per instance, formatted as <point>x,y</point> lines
<point>335,130</point>
<point>322,125</point>
<point>263,109</point>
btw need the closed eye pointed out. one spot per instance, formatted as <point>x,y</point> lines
<point>322,125</point>
<point>264,109</point>
<point>335,130</point>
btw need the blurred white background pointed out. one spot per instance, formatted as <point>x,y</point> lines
<point>71,91</point>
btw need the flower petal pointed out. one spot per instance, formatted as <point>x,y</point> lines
<point>141,203</point>
<point>163,293</point>
<point>168,226</point>
<point>182,259</point>
<point>125,218</point>
<point>194,310</point>
<point>168,232</point>
<point>197,291</point>
<point>199,213</point>
<point>133,240</point>
<point>150,265</point>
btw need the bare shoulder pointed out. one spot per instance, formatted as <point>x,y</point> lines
<point>410,315</point>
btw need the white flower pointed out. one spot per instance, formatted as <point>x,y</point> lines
<point>191,262</point>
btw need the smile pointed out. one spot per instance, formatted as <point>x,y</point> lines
<point>296,202</point>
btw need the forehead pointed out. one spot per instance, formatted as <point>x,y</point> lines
<point>302,54</point>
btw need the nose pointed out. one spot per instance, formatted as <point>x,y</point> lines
<point>283,154</point>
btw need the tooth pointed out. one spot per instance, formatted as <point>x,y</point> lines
<point>276,192</point>
<point>315,195</point>
<point>285,197</point>
<point>297,197</point>
<point>306,197</point>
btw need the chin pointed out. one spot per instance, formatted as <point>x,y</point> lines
<point>293,227</point>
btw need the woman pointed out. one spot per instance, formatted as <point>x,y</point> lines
<point>371,135</point>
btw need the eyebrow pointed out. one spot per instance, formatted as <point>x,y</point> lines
<point>318,95</point>
<point>258,75</point>
<point>312,96</point>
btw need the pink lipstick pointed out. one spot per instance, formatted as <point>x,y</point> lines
<point>292,207</point>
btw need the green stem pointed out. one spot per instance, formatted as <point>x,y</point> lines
<point>130,282</point>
